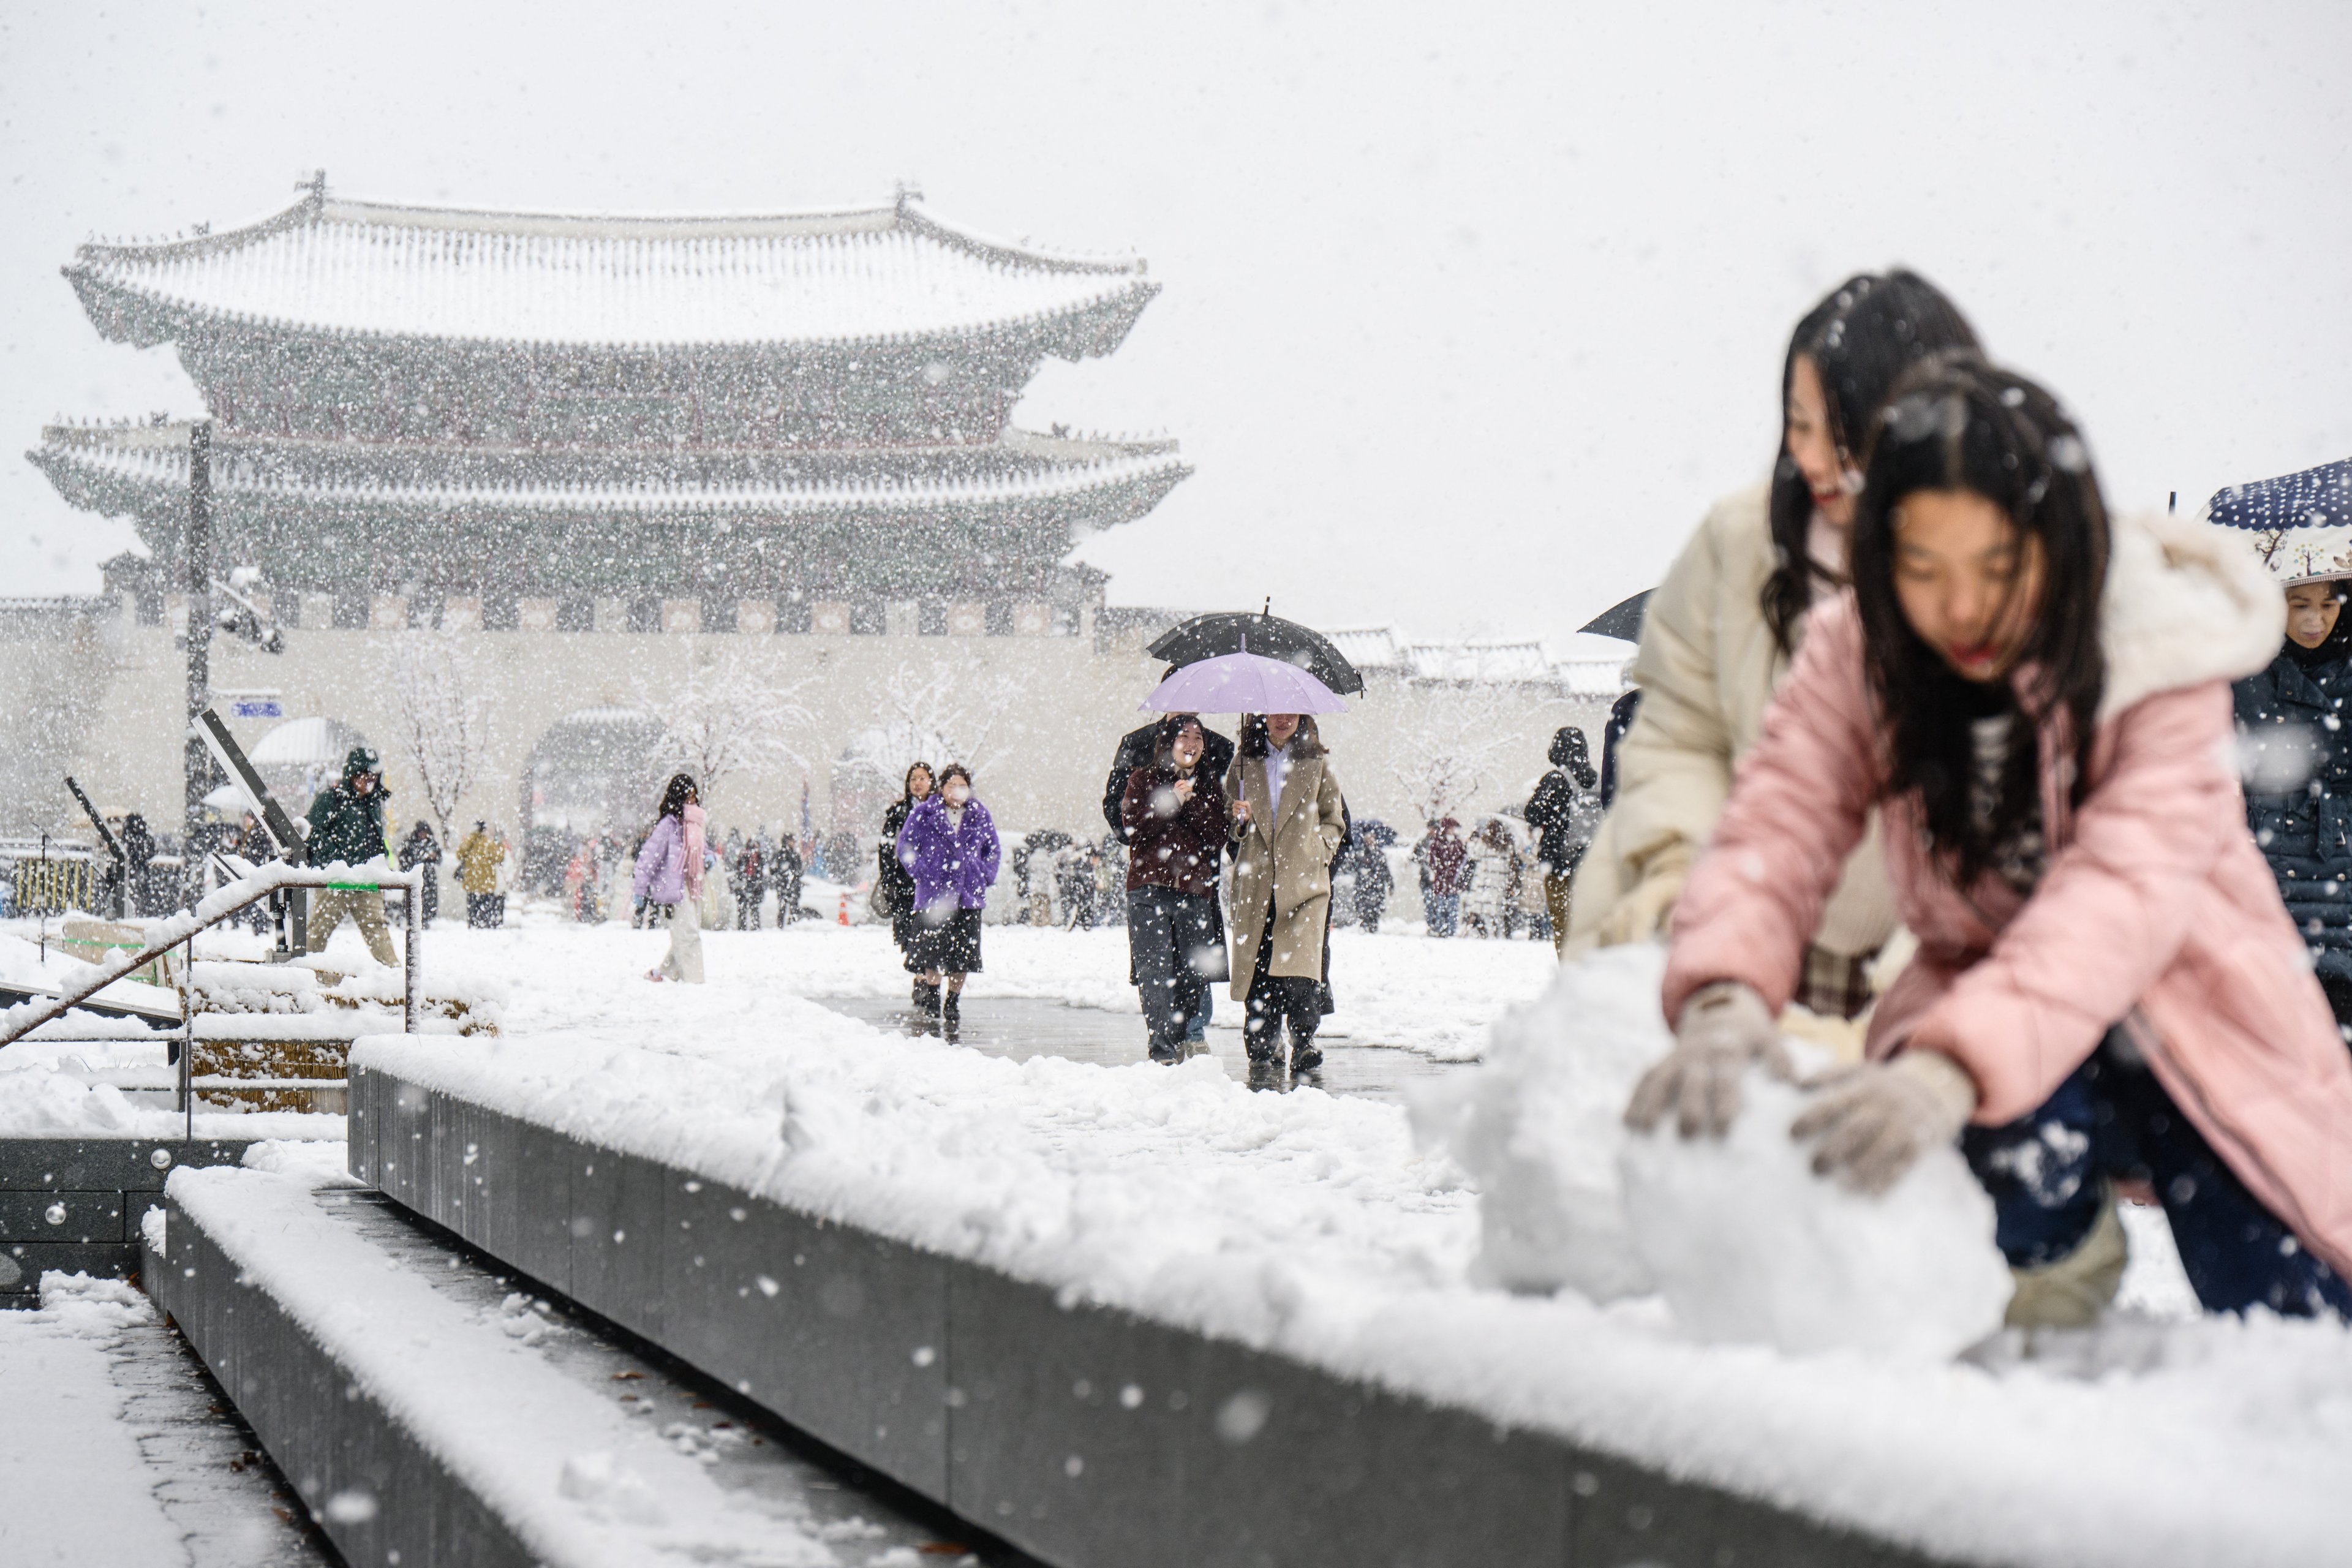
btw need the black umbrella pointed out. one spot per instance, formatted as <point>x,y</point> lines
<point>1208,637</point>
<point>1621,620</point>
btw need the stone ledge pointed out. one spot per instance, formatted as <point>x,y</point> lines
<point>1089,1436</point>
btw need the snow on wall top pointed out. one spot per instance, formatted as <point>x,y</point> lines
<point>1585,672</point>
<point>427,273</point>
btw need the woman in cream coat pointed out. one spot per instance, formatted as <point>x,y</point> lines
<point>1719,633</point>
<point>1286,824</point>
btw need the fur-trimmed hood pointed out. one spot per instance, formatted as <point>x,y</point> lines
<point>2181,606</point>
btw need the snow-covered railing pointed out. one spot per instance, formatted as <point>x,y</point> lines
<point>164,934</point>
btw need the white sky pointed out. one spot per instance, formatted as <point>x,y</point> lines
<point>1470,310</point>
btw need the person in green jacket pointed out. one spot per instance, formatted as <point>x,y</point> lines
<point>347,824</point>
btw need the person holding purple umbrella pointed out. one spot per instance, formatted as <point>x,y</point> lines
<point>1288,824</point>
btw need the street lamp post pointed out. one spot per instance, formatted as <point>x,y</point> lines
<point>200,626</point>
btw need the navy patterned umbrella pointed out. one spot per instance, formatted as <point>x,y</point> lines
<point>2300,524</point>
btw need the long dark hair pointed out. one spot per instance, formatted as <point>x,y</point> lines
<point>678,794</point>
<point>907,784</point>
<point>1255,742</point>
<point>1861,338</point>
<point>1958,424</point>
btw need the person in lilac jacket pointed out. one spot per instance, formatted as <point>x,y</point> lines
<point>949,845</point>
<point>669,877</point>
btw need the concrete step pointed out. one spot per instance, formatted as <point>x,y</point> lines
<point>431,1410</point>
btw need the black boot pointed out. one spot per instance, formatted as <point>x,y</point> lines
<point>917,993</point>
<point>950,1014</point>
<point>926,999</point>
<point>1304,1056</point>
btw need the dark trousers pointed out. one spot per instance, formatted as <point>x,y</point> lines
<point>1276,999</point>
<point>2338,989</point>
<point>2112,1119</point>
<point>477,910</point>
<point>1444,913</point>
<point>1171,938</point>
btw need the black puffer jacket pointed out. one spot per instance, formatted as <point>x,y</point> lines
<point>2299,791</point>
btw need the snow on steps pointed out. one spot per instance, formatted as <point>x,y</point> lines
<point>431,1413</point>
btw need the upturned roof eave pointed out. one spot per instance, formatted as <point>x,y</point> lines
<point>107,267</point>
<point>906,212</point>
<point>112,303</point>
<point>120,487</point>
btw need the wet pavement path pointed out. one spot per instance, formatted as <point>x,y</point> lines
<point>1021,1027</point>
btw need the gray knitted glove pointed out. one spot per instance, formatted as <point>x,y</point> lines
<point>1724,1026</point>
<point>1874,1121</point>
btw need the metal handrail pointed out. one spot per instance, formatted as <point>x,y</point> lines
<point>174,930</point>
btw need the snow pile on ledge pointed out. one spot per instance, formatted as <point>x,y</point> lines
<point>1312,1226</point>
<point>1744,1243</point>
<point>1537,1127</point>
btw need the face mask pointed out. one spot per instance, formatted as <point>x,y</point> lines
<point>957,794</point>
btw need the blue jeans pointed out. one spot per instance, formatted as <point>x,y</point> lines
<point>2111,1119</point>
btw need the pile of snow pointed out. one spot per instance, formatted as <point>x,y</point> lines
<point>1748,1245</point>
<point>1537,1127</point>
<point>1743,1242</point>
<point>39,1104</point>
<point>52,1090</point>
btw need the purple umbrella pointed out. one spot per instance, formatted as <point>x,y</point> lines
<point>1243,682</point>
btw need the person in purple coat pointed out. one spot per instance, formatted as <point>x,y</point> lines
<point>949,845</point>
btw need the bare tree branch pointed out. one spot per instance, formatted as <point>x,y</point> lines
<point>442,714</point>
<point>728,716</point>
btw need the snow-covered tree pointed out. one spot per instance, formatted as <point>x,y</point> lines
<point>441,716</point>
<point>1466,728</point>
<point>729,714</point>
<point>940,715</point>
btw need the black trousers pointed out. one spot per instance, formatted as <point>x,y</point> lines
<point>1174,949</point>
<point>1278,999</point>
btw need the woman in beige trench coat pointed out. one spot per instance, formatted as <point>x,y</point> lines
<point>1286,825</point>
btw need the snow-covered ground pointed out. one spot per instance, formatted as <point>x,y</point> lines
<point>110,1451</point>
<point>1317,1226</point>
<point>1397,988</point>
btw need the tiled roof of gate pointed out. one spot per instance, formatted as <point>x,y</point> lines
<point>116,468</point>
<point>329,265</point>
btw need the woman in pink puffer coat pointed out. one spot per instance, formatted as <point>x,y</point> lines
<point>2107,988</point>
